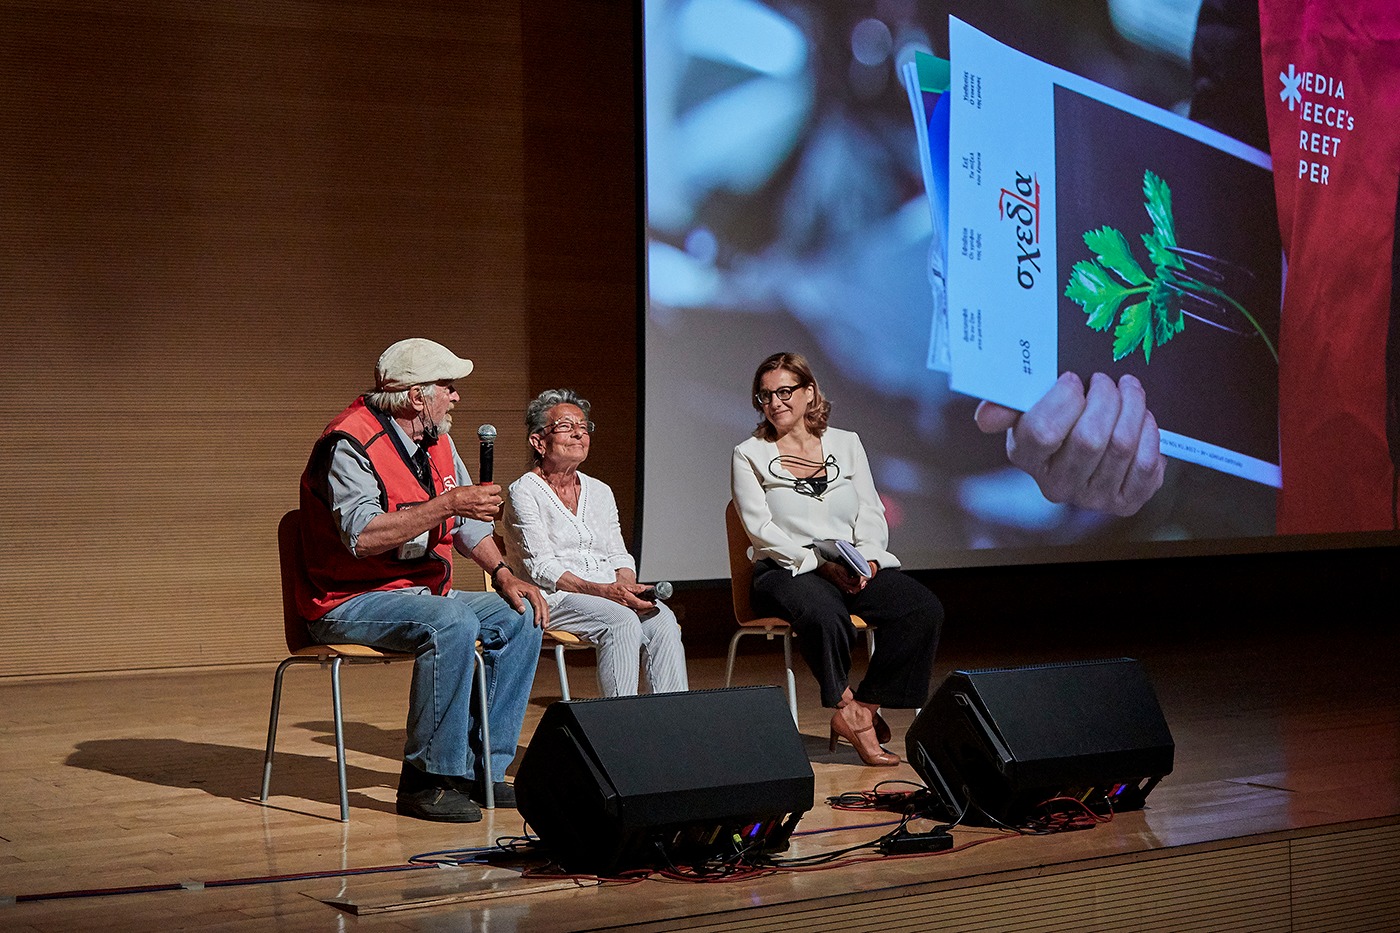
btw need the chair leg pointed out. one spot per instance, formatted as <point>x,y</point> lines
<point>869,641</point>
<point>791,680</point>
<point>339,739</point>
<point>563,671</point>
<point>733,647</point>
<point>488,778</point>
<point>272,726</point>
<point>787,664</point>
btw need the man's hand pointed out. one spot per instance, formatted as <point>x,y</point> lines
<point>481,502</point>
<point>1101,451</point>
<point>516,592</point>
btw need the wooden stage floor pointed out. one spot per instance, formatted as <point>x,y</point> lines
<point>1283,812</point>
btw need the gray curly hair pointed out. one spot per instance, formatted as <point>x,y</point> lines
<point>537,412</point>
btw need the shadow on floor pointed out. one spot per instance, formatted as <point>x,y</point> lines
<point>229,771</point>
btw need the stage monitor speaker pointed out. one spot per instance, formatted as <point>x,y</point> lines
<point>630,782</point>
<point>994,744</point>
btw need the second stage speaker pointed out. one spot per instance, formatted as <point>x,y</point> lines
<point>628,782</point>
<point>994,744</point>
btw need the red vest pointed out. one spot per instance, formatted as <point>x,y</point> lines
<point>333,574</point>
<point>1332,90</point>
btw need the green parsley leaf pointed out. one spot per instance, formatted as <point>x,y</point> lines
<point>1156,316</point>
<point>1112,249</point>
<point>1099,293</point>
<point>1167,319</point>
<point>1162,258</point>
<point>1159,208</point>
<point>1133,330</point>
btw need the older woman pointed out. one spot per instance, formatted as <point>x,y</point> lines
<point>795,482</point>
<point>562,534</point>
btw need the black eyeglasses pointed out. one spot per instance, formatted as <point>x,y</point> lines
<point>784,394</point>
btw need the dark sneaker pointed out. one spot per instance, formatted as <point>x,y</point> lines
<point>476,790</point>
<point>504,793</point>
<point>438,804</point>
<point>433,797</point>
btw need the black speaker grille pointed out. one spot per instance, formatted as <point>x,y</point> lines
<point>1009,738</point>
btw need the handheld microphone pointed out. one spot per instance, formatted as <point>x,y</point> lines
<point>662,590</point>
<point>487,435</point>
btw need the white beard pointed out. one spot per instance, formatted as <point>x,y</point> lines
<point>431,432</point>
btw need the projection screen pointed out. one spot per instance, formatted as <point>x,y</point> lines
<point>788,207</point>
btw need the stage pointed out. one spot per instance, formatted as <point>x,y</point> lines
<point>1283,812</point>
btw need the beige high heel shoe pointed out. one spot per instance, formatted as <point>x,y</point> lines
<point>863,741</point>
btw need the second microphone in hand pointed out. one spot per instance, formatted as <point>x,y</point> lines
<point>662,590</point>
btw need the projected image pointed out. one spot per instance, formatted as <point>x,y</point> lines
<point>787,210</point>
<point>1186,278</point>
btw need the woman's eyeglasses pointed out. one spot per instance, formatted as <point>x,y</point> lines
<point>784,394</point>
<point>565,426</point>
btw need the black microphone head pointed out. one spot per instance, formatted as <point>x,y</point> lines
<point>487,433</point>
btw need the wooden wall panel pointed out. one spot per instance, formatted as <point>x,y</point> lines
<point>582,223</point>
<point>212,219</point>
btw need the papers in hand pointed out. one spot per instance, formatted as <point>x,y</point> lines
<point>843,553</point>
<point>1048,193</point>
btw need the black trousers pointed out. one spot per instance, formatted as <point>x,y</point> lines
<point>908,616</point>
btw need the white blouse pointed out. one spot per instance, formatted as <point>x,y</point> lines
<point>544,540</point>
<point>782,522</point>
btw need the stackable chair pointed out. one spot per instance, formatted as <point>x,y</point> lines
<point>301,651</point>
<point>750,623</point>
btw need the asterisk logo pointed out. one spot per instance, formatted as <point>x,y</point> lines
<point>1290,93</point>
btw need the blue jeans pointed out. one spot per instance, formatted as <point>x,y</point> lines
<point>442,632</point>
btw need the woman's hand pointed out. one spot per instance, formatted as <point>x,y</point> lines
<point>626,594</point>
<point>622,591</point>
<point>845,581</point>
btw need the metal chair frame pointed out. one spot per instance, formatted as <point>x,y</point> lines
<point>563,642</point>
<point>332,656</point>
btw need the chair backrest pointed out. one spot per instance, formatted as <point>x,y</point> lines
<point>293,568</point>
<point>740,564</point>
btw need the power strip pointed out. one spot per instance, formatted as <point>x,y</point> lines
<point>936,840</point>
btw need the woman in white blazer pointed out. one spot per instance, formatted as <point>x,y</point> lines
<point>797,481</point>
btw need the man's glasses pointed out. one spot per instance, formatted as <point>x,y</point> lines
<point>784,393</point>
<point>566,426</point>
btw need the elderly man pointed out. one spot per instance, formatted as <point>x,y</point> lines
<point>385,498</point>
